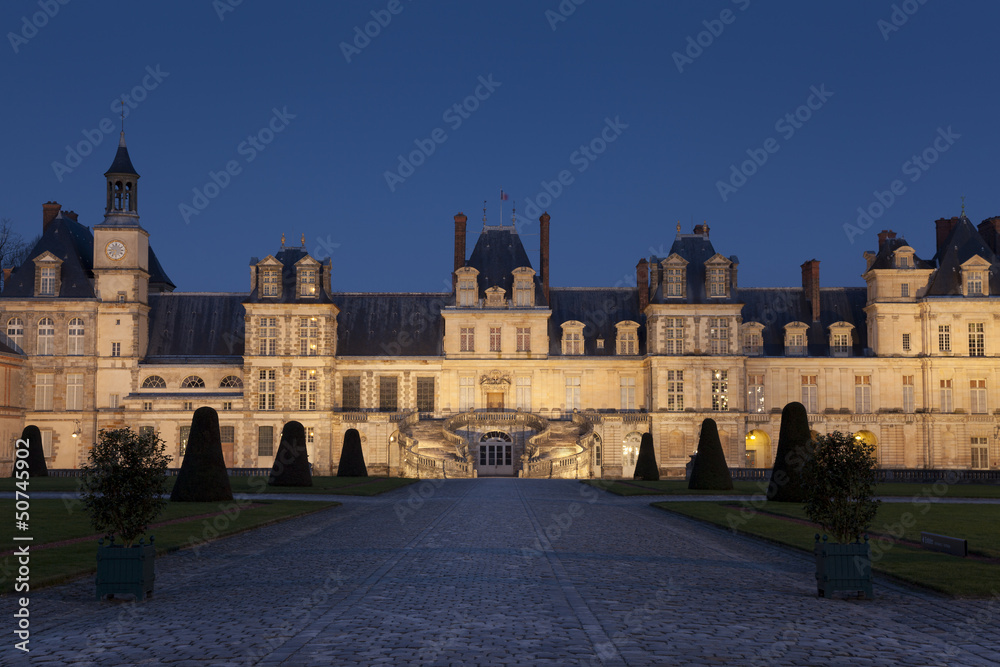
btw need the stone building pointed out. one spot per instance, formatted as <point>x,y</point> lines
<point>504,374</point>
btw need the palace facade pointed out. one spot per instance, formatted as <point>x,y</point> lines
<point>504,374</point>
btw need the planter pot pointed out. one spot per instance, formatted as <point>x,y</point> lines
<point>123,570</point>
<point>843,567</point>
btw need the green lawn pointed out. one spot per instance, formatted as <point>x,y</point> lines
<point>679,487</point>
<point>947,574</point>
<point>56,520</point>
<point>349,486</point>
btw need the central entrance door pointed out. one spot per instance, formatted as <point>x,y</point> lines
<point>496,455</point>
<point>494,400</point>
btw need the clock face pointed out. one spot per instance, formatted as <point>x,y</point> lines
<point>115,250</point>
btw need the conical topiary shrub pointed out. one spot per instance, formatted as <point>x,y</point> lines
<point>203,477</point>
<point>710,471</point>
<point>35,461</point>
<point>794,450</point>
<point>352,459</point>
<point>291,464</point>
<point>645,466</point>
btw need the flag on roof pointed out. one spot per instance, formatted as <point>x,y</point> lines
<point>504,196</point>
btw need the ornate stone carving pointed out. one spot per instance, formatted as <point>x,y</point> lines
<point>495,379</point>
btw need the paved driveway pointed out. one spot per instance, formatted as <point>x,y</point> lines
<point>501,572</point>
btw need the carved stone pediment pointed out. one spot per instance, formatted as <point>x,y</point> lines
<point>495,379</point>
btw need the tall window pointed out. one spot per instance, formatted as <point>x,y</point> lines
<point>524,293</point>
<point>267,333</point>
<point>74,391</point>
<point>467,296</point>
<point>627,342</point>
<point>425,394</point>
<point>271,280</point>
<point>307,389</point>
<point>116,349</point>
<point>351,390</point>
<point>466,394</point>
<point>904,289</point>
<point>388,393</point>
<point>627,386</point>
<point>43,391</point>
<point>810,394</point>
<point>675,391</point>
<point>494,339</point>
<point>523,393</point>
<point>753,344</point>
<point>265,441</point>
<point>977,339</point>
<point>720,391</point>
<point>308,336</point>
<point>718,334</point>
<point>227,434</point>
<point>266,381</point>
<point>795,345</point>
<point>467,339</point>
<point>946,404</point>
<point>755,393</point>
<point>974,283</point>
<point>75,336</point>
<point>524,339</point>
<point>15,331</point>
<point>572,341</point>
<point>717,282</point>
<point>46,336</point>
<point>674,335</point>
<point>841,344</point>
<point>573,392</point>
<point>862,394</point>
<point>977,396</point>
<point>675,282</point>
<point>980,453</point>
<point>48,281</point>
<point>944,338</point>
<point>307,282</point>
<point>906,342</point>
<point>908,401</point>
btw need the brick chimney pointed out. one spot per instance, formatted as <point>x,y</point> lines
<point>50,210</point>
<point>810,285</point>
<point>460,220</point>
<point>989,229</point>
<point>884,236</point>
<point>642,283</point>
<point>943,227</point>
<point>72,215</point>
<point>654,275</point>
<point>701,230</point>
<point>544,223</point>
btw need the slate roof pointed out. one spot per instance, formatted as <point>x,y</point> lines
<point>122,163</point>
<point>497,253</point>
<point>195,326</point>
<point>962,244</point>
<point>774,307</point>
<point>71,242</point>
<point>884,259</point>
<point>600,309</point>
<point>157,276</point>
<point>696,249</point>
<point>391,324</point>
<point>288,257</point>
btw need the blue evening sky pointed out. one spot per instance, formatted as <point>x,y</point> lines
<point>224,67</point>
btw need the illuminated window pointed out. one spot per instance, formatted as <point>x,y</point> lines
<point>720,390</point>
<point>755,393</point>
<point>307,282</point>
<point>307,389</point>
<point>308,336</point>
<point>185,435</point>
<point>675,391</point>
<point>977,339</point>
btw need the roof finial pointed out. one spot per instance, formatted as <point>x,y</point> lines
<point>484,212</point>
<point>678,226</point>
<point>963,206</point>
<point>513,213</point>
<point>303,240</point>
<point>282,239</point>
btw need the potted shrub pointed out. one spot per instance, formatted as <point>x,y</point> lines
<point>124,482</point>
<point>840,490</point>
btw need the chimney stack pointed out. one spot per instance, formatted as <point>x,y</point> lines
<point>72,215</point>
<point>544,223</point>
<point>989,229</point>
<point>884,236</point>
<point>701,230</point>
<point>943,227</point>
<point>642,284</point>
<point>50,210</point>
<point>460,220</point>
<point>810,285</point>
<point>654,275</point>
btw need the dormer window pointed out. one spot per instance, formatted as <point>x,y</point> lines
<point>974,283</point>
<point>270,280</point>
<point>47,269</point>
<point>572,337</point>
<point>717,277</point>
<point>841,339</point>
<point>627,337</point>
<point>753,339</point>
<point>48,281</point>
<point>307,282</point>
<point>903,258</point>
<point>468,288</point>
<point>675,276</point>
<point>524,287</point>
<point>795,339</point>
<point>717,282</point>
<point>495,297</point>
<point>976,277</point>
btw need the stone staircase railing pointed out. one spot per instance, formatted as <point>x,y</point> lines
<point>417,465</point>
<point>575,465</point>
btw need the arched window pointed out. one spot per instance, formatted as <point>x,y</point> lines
<point>231,382</point>
<point>15,331</point>
<point>193,382</point>
<point>495,436</point>
<point>154,382</point>
<point>118,195</point>
<point>46,336</point>
<point>75,336</point>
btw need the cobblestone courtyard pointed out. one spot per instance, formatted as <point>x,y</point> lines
<point>500,572</point>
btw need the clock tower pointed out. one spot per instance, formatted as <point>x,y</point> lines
<point>121,266</point>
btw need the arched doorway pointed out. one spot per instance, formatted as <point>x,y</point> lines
<point>630,452</point>
<point>869,438</point>
<point>758,447</point>
<point>496,454</point>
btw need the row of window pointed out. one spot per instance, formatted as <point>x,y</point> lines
<point>468,290</point>
<point>267,336</point>
<point>307,281</point>
<point>467,339</point>
<point>675,277</point>
<point>46,335</point>
<point>191,382</point>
